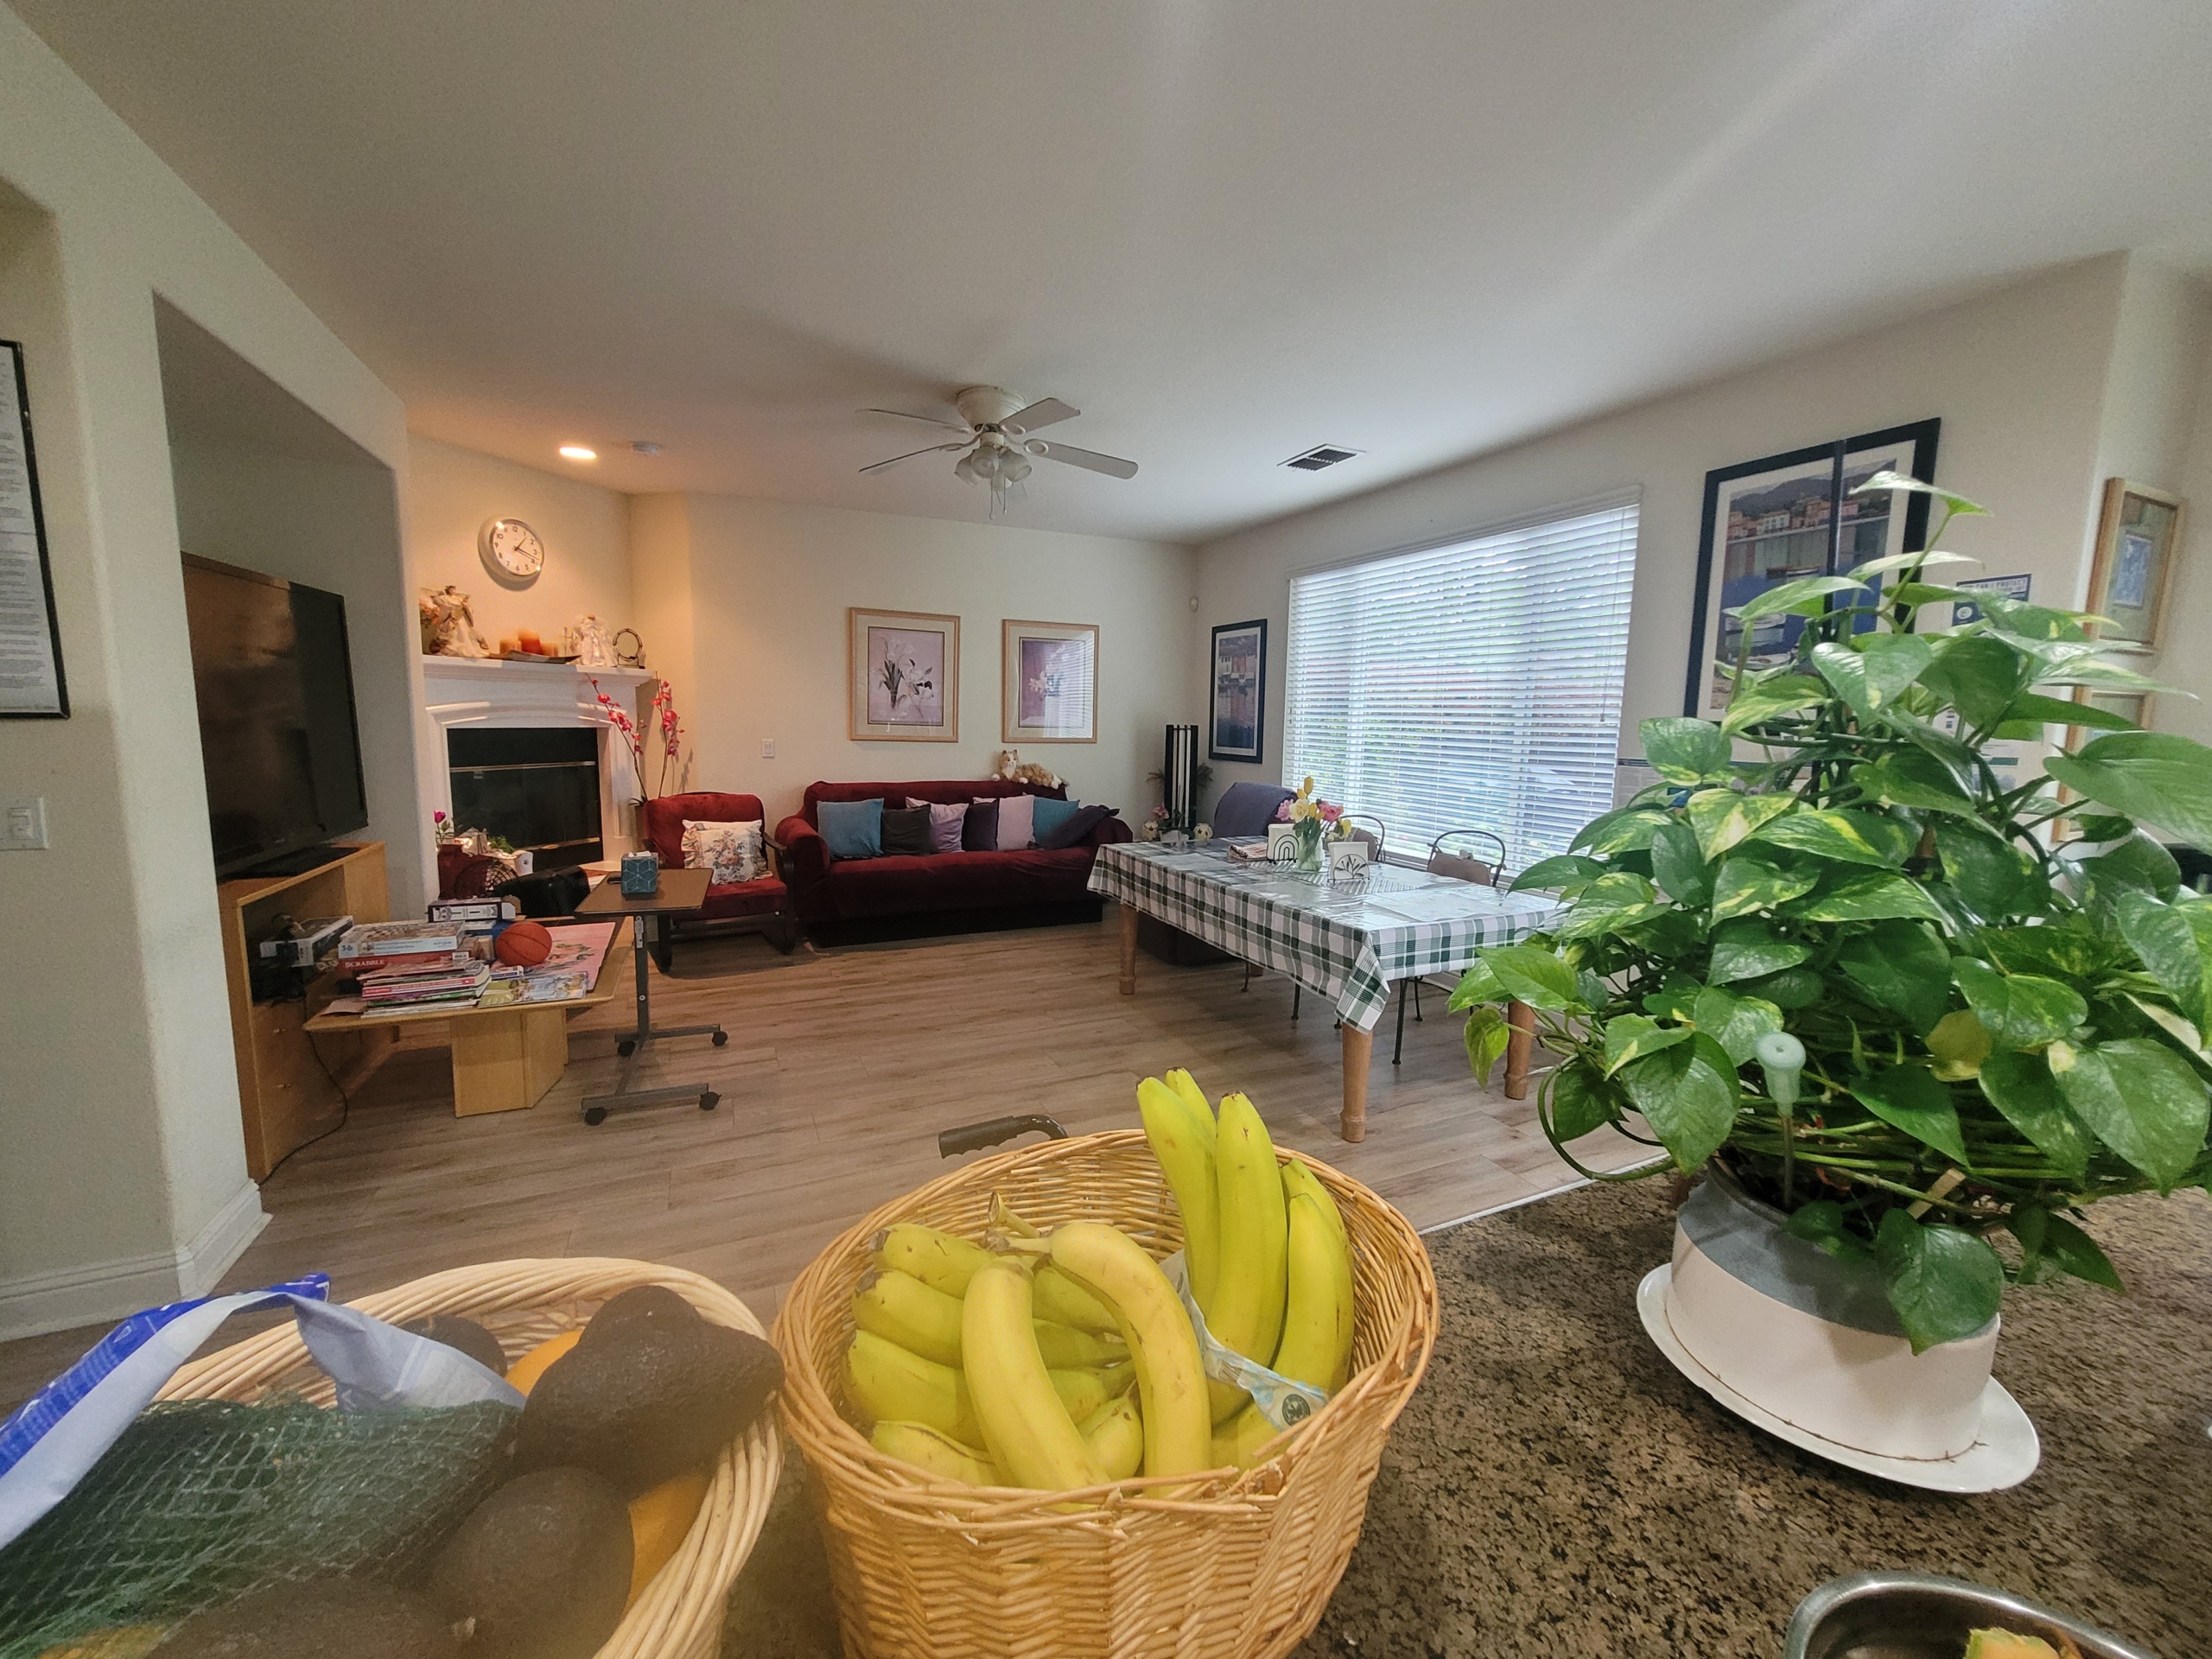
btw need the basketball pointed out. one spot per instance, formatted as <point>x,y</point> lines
<point>523,945</point>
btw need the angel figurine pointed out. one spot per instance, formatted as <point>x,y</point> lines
<point>449,629</point>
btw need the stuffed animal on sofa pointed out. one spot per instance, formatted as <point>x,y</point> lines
<point>1013,768</point>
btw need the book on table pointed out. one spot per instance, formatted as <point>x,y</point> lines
<point>400,939</point>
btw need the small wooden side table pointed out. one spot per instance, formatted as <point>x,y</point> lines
<point>680,892</point>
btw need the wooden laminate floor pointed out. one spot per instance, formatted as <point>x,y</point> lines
<point>841,1068</point>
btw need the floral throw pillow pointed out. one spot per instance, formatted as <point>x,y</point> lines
<point>734,853</point>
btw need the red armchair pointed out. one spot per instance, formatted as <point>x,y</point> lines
<point>763,905</point>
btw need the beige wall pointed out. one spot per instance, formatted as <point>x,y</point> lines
<point>585,529</point>
<point>2019,378</point>
<point>770,585</point>
<point>124,1181</point>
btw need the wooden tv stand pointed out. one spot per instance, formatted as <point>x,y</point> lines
<point>286,1097</point>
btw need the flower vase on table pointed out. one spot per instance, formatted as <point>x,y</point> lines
<point>1307,833</point>
<point>1312,822</point>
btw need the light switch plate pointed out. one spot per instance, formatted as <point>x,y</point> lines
<point>22,824</point>
<point>767,749</point>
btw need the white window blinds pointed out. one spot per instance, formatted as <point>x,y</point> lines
<point>1470,686</point>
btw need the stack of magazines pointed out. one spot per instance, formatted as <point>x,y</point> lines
<point>439,980</point>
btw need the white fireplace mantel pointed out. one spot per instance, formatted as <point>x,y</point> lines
<point>482,691</point>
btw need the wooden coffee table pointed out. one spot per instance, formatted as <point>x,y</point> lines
<point>504,1058</point>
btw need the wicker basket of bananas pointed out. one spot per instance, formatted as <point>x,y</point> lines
<point>1022,1434</point>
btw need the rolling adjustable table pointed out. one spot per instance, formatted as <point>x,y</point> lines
<point>679,893</point>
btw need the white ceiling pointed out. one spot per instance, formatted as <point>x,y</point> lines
<point>1227,230</point>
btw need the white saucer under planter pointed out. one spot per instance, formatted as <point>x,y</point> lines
<point>1807,1347</point>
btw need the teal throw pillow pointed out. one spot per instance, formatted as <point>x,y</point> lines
<point>1050,815</point>
<point>853,828</point>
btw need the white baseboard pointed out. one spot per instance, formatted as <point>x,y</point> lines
<point>100,1292</point>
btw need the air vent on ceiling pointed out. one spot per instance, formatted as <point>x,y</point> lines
<point>1321,455</point>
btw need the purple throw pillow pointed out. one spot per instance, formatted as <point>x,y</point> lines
<point>945,822</point>
<point>979,831</point>
<point>1076,827</point>
<point>1017,822</point>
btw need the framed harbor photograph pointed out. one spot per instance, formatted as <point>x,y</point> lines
<point>1236,722</point>
<point>1788,515</point>
<point>2138,537</point>
<point>1050,682</point>
<point>905,676</point>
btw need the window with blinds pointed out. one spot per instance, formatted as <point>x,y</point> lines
<point>1475,685</point>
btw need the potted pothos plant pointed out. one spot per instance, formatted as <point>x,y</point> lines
<point>1995,1030</point>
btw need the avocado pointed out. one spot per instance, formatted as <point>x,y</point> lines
<point>541,1570</point>
<point>647,1402</point>
<point>332,1618</point>
<point>467,1335</point>
<point>653,1305</point>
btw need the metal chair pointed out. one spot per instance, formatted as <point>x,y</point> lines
<point>1373,837</point>
<point>1488,872</point>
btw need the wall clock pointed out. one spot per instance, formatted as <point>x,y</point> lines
<point>511,549</point>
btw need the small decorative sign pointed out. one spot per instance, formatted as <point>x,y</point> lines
<point>1964,610</point>
<point>1347,859</point>
<point>1283,844</point>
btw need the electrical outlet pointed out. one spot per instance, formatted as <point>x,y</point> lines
<point>767,749</point>
<point>23,824</point>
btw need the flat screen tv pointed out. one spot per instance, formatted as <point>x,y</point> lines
<point>277,735</point>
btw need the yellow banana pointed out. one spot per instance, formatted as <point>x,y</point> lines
<point>1317,1322</point>
<point>1187,1086</point>
<point>888,1384</point>
<point>1032,1437</point>
<point>1066,1349</point>
<point>1186,1158</point>
<point>1171,1383</point>
<point>942,1261</point>
<point>900,1308</point>
<point>1086,1392</point>
<point>918,1443</point>
<point>1114,1433</point>
<point>1060,1298</point>
<point>1246,1316</point>
<point>1239,1440</point>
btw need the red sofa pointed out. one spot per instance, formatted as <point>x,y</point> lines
<point>847,900</point>
<point>765,902</point>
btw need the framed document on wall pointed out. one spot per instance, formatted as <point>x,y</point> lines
<point>31,685</point>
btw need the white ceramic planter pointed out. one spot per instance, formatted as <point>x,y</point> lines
<point>1812,1340</point>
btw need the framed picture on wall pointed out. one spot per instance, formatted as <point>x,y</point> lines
<point>1049,674</point>
<point>1236,724</point>
<point>31,683</point>
<point>905,676</point>
<point>1782,516</point>
<point>2137,538</point>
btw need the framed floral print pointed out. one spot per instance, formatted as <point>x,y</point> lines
<point>2138,537</point>
<point>905,676</point>
<point>1050,693</point>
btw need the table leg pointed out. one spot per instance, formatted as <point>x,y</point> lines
<point>1128,950</point>
<point>1522,1019</point>
<point>505,1062</point>
<point>1359,1049</point>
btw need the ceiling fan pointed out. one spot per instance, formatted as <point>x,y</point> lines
<point>997,443</point>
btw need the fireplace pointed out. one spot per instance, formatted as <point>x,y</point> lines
<point>537,787</point>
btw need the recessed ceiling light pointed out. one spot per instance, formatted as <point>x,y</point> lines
<point>578,452</point>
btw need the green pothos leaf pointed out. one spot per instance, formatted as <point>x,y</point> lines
<point>1683,750</point>
<point>2139,1098</point>
<point>1872,896</point>
<point>1579,1101</point>
<point>1565,872</point>
<point>1845,836</point>
<point>1944,1283</point>
<point>1689,1094</point>
<point>1631,1036</point>
<point>1749,949</point>
<point>1735,1022</point>
<point>1909,1098</point>
<point>1770,700</point>
<point>1721,818</point>
<point>1747,885</point>
<point>1486,1037</point>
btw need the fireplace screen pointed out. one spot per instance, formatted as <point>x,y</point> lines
<point>537,788</point>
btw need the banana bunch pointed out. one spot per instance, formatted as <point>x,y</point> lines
<point>1269,1259</point>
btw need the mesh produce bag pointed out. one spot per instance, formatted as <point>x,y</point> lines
<point>202,1500</point>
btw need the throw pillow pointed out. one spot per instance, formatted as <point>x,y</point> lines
<point>1015,820</point>
<point>945,825</point>
<point>853,828</point>
<point>979,831</point>
<point>1079,825</point>
<point>906,830</point>
<point>1049,815</point>
<point>731,853</point>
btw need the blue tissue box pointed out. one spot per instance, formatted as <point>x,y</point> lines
<point>640,875</point>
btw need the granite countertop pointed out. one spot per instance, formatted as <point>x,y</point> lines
<point>1555,1487</point>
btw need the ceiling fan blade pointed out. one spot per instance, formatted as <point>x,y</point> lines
<point>927,420</point>
<point>1044,412</point>
<point>1112,466</point>
<point>934,449</point>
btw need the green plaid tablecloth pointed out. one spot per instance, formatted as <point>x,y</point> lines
<point>1345,940</point>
